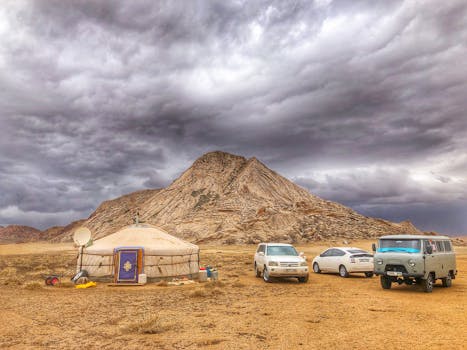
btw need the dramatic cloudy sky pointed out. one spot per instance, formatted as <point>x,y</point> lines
<point>361,102</point>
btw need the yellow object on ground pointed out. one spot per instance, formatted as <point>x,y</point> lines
<point>87,285</point>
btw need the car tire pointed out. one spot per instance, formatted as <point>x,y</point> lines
<point>386,282</point>
<point>316,268</point>
<point>343,271</point>
<point>368,274</point>
<point>266,277</point>
<point>447,281</point>
<point>257,272</point>
<point>303,279</point>
<point>428,283</point>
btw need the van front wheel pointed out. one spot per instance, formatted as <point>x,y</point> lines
<point>385,282</point>
<point>447,281</point>
<point>428,283</point>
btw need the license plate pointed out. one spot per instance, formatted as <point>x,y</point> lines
<point>364,260</point>
<point>394,273</point>
<point>291,270</point>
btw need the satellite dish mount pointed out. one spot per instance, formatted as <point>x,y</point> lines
<point>82,236</point>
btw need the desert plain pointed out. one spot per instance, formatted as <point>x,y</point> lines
<point>238,311</point>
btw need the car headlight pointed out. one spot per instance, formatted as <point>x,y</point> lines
<point>412,263</point>
<point>273,263</point>
<point>379,261</point>
<point>303,263</point>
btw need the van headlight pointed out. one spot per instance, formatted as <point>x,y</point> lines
<point>379,261</point>
<point>412,263</point>
<point>273,263</point>
<point>303,263</point>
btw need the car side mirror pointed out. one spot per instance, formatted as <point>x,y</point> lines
<point>373,247</point>
<point>302,255</point>
<point>429,249</point>
<point>261,253</point>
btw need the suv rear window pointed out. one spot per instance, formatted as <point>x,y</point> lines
<point>357,251</point>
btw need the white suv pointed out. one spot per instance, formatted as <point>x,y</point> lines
<point>280,260</point>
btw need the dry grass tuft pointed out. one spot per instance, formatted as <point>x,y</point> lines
<point>33,286</point>
<point>8,272</point>
<point>238,284</point>
<point>12,281</point>
<point>213,341</point>
<point>217,291</point>
<point>198,293</point>
<point>152,325</point>
<point>213,284</point>
<point>162,283</point>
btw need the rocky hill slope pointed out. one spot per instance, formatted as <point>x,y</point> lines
<point>19,234</point>
<point>225,198</point>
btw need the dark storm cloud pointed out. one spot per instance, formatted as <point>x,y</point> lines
<point>361,102</point>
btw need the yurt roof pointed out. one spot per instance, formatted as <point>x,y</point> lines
<point>154,240</point>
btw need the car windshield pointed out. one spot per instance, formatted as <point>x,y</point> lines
<point>399,245</point>
<point>281,250</point>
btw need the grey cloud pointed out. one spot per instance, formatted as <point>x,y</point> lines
<point>102,98</point>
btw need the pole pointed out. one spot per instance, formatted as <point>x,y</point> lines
<point>81,259</point>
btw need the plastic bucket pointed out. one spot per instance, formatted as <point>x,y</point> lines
<point>202,276</point>
<point>142,278</point>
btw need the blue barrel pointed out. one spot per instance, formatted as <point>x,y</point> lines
<point>208,270</point>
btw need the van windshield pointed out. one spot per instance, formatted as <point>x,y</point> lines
<point>399,245</point>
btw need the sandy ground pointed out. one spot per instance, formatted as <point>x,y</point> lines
<point>238,312</point>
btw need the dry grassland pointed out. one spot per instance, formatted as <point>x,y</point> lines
<point>238,312</point>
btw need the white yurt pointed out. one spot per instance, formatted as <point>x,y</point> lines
<point>138,250</point>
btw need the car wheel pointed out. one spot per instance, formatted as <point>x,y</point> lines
<point>343,271</point>
<point>368,274</point>
<point>266,277</point>
<point>316,268</point>
<point>257,272</point>
<point>385,282</point>
<point>303,279</point>
<point>428,283</point>
<point>447,281</point>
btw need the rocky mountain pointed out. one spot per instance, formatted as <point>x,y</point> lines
<point>225,198</point>
<point>19,234</point>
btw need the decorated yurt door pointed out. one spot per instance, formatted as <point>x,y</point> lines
<point>128,264</point>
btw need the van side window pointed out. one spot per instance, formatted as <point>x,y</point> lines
<point>427,243</point>
<point>261,248</point>
<point>447,246</point>
<point>439,246</point>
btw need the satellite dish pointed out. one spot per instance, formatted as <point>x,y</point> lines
<point>82,236</point>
